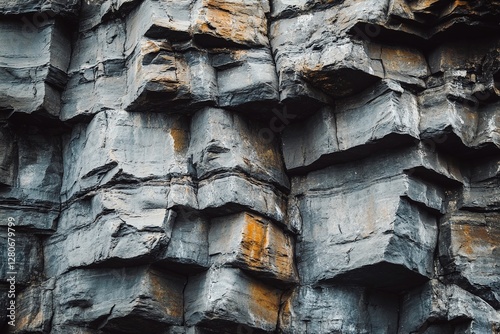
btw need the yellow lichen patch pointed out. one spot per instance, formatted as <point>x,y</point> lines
<point>264,303</point>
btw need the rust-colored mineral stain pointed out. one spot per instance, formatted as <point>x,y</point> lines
<point>471,237</point>
<point>233,21</point>
<point>399,59</point>
<point>172,302</point>
<point>180,138</point>
<point>254,239</point>
<point>283,253</point>
<point>265,302</point>
<point>24,321</point>
<point>267,154</point>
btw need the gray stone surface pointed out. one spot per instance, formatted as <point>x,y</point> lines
<point>435,303</point>
<point>35,172</point>
<point>257,166</point>
<point>377,113</point>
<point>28,264</point>
<point>309,309</point>
<point>33,65</point>
<point>188,245</point>
<point>52,7</point>
<point>122,300</point>
<point>483,190</point>
<point>224,142</point>
<point>230,297</point>
<point>368,235</point>
<point>109,134</point>
<point>468,253</point>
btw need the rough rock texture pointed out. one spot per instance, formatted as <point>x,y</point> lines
<point>250,166</point>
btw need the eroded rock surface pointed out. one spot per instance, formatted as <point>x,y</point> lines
<point>257,166</point>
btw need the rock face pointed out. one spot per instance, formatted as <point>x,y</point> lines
<point>256,166</point>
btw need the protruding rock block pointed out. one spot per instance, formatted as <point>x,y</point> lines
<point>47,7</point>
<point>222,141</point>
<point>228,298</point>
<point>246,79</point>
<point>483,190</point>
<point>97,77</point>
<point>433,19</point>
<point>218,23</point>
<point>158,75</point>
<point>229,193</point>
<point>438,308</point>
<point>33,66</point>
<point>187,249</point>
<point>109,240</point>
<point>468,253</point>
<point>231,158</point>
<point>374,226</point>
<point>254,244</point>
<point>118,146</point>
<point>384,111</point>
<point>344,65</point>
<point>119,300</point>
<point>323,310</point>
<point>117,225</point>
<point>168,20</point>
<point>370,236</point>
<point>35,173</point>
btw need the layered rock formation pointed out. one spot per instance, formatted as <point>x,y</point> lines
<point>256,166</point>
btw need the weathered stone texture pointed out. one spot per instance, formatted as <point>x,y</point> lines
<point>256,166</point>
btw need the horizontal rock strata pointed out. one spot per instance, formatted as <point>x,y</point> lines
<point>257,166</point>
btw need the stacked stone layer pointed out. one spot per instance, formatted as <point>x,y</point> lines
<point>257,166</point>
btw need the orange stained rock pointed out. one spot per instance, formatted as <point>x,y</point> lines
<point>165,293</point>
<point>233,20</point>
<point>283,257</point>
<point>424,4</point>
<point>24,322</point>
<point>254,238</point>
<point>267,153</point>
<point>266,246</point>
<point>180,138</point>
<point>404,60</point>
<point>477,240</point>
<point>265,302</point>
